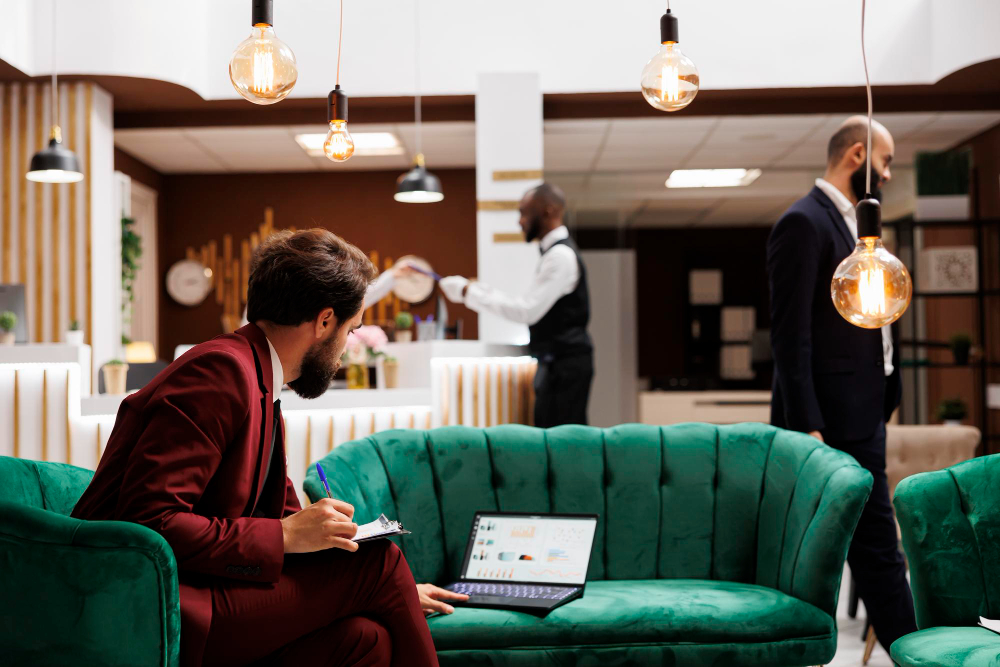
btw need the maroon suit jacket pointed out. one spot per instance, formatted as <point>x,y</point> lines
<point>187,459</point>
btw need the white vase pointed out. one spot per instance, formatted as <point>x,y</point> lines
<point>7,338</point>
<point>115,378</point>
<point>74,337</point>
<point>404,335</point>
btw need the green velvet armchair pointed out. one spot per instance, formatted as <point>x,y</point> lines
<point>950,520</point>
<point>79,592</point>
<point>715,546</point>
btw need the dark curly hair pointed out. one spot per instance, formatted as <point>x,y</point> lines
<point>295,275</point>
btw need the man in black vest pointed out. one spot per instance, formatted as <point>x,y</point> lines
<point>833,380</point>
<point>556,309</point>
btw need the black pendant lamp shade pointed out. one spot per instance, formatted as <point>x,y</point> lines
<point>55,163</point>
<point>418,186</point>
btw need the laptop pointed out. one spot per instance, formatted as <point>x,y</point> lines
<point>526,562</point>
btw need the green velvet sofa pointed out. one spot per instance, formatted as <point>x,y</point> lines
<point>950,520</point>
<point>79,592</point>
<point>716,545</point>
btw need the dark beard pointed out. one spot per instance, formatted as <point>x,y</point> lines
<point>858,183</point>
<point>318,369</point>
<point>533,229</point>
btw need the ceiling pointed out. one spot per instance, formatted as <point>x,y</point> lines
<point>613,170</point>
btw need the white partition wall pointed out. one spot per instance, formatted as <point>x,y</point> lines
<point>508,139</point>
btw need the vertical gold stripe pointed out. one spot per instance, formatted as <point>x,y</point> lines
<point>522,385</point>
<point>308,440</point>
<point>489,395</point>
<point>22,190</point>
<point>371,431</point>
<point>71,141</point>
<point>17,416</point>
<point>5,137</point>
<point>45,415</point>
<point>39,188</point>
<point>351,433</point>
<point>413,420</point>
<point>427,422</point>
<point>392,420</point>
<point>329,436</point>
<point>510,393</point>
<point>475,395</point>
<point>459,413</point>
<point>88,108</point>
<point>445,398</point>
<point>69,431</point>
<point>55,261</point>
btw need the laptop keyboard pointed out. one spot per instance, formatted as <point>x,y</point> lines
<point>530,591</point>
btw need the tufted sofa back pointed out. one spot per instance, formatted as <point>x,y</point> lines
<point>950,520</point>
<point>48,486</point>
<point>745,503</point>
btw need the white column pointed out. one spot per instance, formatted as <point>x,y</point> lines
<point>508,138</point>
<point>105,236</point>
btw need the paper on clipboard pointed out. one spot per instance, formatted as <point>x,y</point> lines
<point>380,527</point>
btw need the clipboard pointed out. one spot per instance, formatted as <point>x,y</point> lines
<point>379,528</point>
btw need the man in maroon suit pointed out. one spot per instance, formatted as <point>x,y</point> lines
<point>198,456</point>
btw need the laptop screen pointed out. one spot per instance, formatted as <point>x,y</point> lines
<point>530,548</point>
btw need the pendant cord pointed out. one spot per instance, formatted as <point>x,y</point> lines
<point>868,87</point>
<point>416,75</point>
<point>340,39</point>
<point>54,113</point>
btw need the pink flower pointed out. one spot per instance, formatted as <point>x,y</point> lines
<point>370,336</point>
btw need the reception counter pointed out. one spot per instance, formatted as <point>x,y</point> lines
<point>48,413</point>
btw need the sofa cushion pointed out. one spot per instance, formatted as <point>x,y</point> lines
<point>948,647</point>
<point>647,612</point>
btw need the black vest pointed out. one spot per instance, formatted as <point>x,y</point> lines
<point>562,332</point>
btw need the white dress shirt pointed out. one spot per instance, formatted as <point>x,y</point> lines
<point>379,289</point>
<point>850,216</point>
<point>277,372</point>
<point>557,275</point>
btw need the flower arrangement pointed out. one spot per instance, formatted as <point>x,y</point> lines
<point>364,343</point>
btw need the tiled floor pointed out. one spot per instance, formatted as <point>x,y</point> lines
<point>850,648</point>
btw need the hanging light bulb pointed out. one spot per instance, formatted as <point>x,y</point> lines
<point>669,80</point>
<point>418,186</point>
<point>339,145</point>
<point>871,287</point>
<point>263,68</point>
<point>54,163</point>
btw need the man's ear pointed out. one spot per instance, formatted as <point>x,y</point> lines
<point>856,155</point>
<point>325,322</point>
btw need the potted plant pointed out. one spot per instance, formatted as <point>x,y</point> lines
<point>74,335</point>
<point>943,185</point>
<point>115,373</point>
<point>364,344</point>
<point>8,321</point>
<point>952,411</point>
<point>404,326</point>
<point>961,343</point>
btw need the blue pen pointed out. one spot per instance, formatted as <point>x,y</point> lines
<point>322,478</point>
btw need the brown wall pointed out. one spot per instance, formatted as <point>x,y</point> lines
<point>356,205</point>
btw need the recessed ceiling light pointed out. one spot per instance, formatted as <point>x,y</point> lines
<point>365,143</point>
<point>711,178</point>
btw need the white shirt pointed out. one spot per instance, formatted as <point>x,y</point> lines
<point>277,372</point>
<point>380,288</point>
<point>557,275</point>
<point>850,215</point>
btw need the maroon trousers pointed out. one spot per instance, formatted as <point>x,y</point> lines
<point>329,608</point>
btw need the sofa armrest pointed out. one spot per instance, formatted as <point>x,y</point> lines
<point>85,592</point>
<point>817,566</point>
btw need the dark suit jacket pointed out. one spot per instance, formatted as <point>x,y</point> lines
<point>187,457</point>
<point>829,375</point>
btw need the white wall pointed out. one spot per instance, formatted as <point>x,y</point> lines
<point>106,234</point>
<point>611,279</point>
<point>575,45</point>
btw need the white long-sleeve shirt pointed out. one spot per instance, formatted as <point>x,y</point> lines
<point>558,274</point>
<point>850,216</point>
<point>380,288</point>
